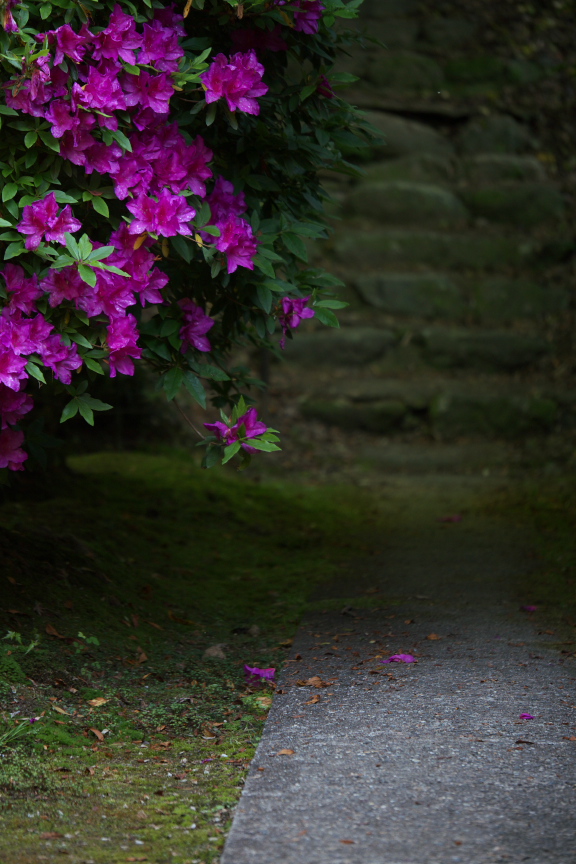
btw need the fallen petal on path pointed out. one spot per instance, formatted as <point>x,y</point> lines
<point>526,717</point>
<point>400,658</point>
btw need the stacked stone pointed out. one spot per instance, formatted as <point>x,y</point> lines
<point>446,246</point>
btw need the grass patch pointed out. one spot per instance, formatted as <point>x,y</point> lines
<point>124,571</point>
<point>548,509</point>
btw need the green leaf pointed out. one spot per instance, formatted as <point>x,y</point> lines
<point>330,304</point>
<point>80,340</point>
<point>5,224</point>
<point>99,254</point>
<point>265,266</point>
<point>230,451</point>
<point>9,191</point>
<point>64,198</point>
<point>72,246</point>
<point>85,246</point>
<point>100,206</point>
<point>95,404</point>
<point>45,11</point>
<point>13,250</point>
<point>213,373</point>
<point>48,139</point>
<point>296,245</point>
<point>211,457</point>
<point>172,381</point>
<point>195,388</point>
<point>121,138</point>
<point>35,371</point>
<point>87,275</point>
<point>133,70</point>
<point>264,298</point>
<point>93,365</point>
<point>211,114</point>
<point>182,247</point>
<point>259,444</point>
<point>86,412</point>
<point>212,230</point>
<point>30,139</point>
<point>70,410</point>
<point>326,317</point>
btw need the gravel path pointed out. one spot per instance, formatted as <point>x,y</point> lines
<point>428,762</point>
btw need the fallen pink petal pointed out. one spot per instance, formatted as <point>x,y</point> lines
<point>529,608</point>
<point>526,717</point>
<point>400,658</point>
<point>253,673</point>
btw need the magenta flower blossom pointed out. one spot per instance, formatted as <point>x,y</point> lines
<point>224,202</point>
<point>42,220</point>
<point>11,454</point>
<point>13,405</point>
<point>22,292</point>
<point>68,43</point>
<point>149,91</point>
<point>255,675</point>
<point>196,325</point>
<point>102,91</point>
<point>400,658</point>
<point>230,434</point>
<point>12,368</point>
<point>160,47</point>
<point>60,358</point>
<point>119,40</point>
<point>294,310</point>
<point>8,22</point>
<point>325,88</point>
<point>526,717</point>
<point>168,216</point>
<point>64,284</point>
<point>122,342</point>
<point>238,242</point>
<point>529,608</point>
<point>238,80</point>
<point>171,19</point>
<point>307,16</point>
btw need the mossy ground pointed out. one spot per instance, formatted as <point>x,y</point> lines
<point>143,744</point>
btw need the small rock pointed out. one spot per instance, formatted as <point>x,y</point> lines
<point>254,630</point>
<point>215,652</point>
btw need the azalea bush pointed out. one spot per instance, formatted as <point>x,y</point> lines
<point>160,168</point>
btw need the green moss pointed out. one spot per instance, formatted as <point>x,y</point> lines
<point>10,671</point>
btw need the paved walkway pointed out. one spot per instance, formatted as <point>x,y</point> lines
<point>426,763</point>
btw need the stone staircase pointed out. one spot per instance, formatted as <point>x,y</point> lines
<point>451,246</point>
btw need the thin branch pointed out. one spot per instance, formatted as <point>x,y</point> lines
<point>188,421</point>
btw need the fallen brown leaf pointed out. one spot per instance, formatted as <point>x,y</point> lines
<point>60,710</point>
<point>315,681</point>
<point>50,835</point>
<point>348,842</point>
<point>180,776</point>
<point>90,770</point>
<point>97,733</point>
<point>569,737</point>
<point>433,636</point>
<point>137,858</point>
<point>313,700</point>
<point>286,752</point>
<point>96,703</point>
<point>157,626</point>
<point>185,14</point>
<point>51,631</point>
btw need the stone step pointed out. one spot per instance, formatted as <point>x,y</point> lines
<point>445,408</point>
<point>364,247</point>
<point>432,295</point>
<point>402,202</point>
<point>525,205</point>
<point>486,168</point>
<point>500,351</point>
<point>405,137</point>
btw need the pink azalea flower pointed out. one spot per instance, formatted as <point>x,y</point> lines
<point>8,22</point>
<point>60,358</point>
<point>12,368</point>
<point>238,80</point>
<point>13,405</point>
<point>41,219</point>
<point>11,454</point>
<point>160,47</point>
<point>168,216</point>
<point>196,325</point>
<point>529,608</point>
<point>526,717</point>
<point>119,40</point>
<point>237,241</point>
<point>64,284</point>
<point>230,434</point>
<point>149,91</point>
<point>400,658</point>
<point>68,43</point>
<point>23,292</point>
<point>294,310</point>
<point>258,39</point>
<point>171,19</point>
<point>256,675</point>
<point>307,16</point>
<point>224,202</point>
<point>122,342</point>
